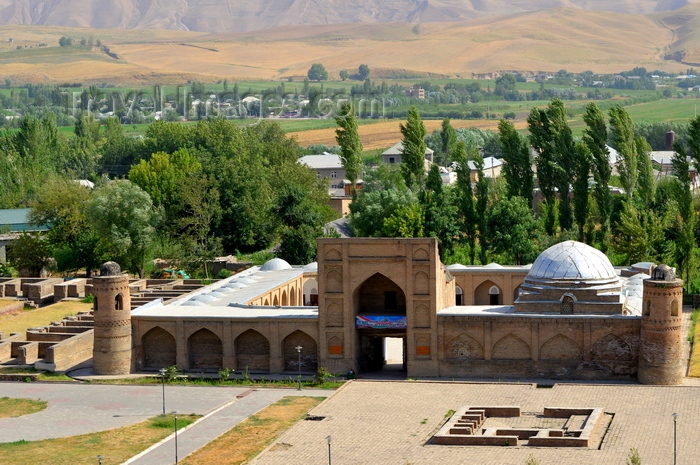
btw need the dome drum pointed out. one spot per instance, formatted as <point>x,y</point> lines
<point>571,278</point>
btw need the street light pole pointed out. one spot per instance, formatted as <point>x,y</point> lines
<point>675,419</point>
<point>162,376</point>
<point>298,348</point>
<point>329,439</point>
<point>175,414</point>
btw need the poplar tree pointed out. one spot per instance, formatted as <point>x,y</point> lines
<point>448,137</point>
<point>595,137</point>
<point>540,139</point>
<point>465,199</point>
<point>582,160</point>
<point>350,145</point>
<point>564,158</point>
<point>517,169</point>
<point>622,131</point>
<point>413,151</point>
<point>482,199</point>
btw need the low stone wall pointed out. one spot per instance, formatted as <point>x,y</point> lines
<point>6,345</point>
<point>68,354</point>
<point>28,353</point>
<point>9,287</point>
<point>74,288</point>
<point>40,292</point>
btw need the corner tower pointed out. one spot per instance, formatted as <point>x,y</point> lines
<point>661,337</point>
<point>111,353</point>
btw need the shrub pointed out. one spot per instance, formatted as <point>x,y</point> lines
<point>223,274</point>
<point>322,375</point>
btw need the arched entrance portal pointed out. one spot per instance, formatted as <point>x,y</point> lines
<point>380,309</point>
<point>252,352</point>
<point>488,293</point>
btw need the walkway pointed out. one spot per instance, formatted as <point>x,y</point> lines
<point>216,424</point>
<point>87,408</point>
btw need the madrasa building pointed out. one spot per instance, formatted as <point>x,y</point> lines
<point>569,315</point>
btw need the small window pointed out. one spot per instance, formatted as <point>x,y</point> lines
<point>392,160</point>
<point>567,306</point>
<point>119,302</point>
<point>334,175</point>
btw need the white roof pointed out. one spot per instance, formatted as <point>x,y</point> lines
<point>489,162</point>
<point>324,161</point>
<point>662,157</point>
<point>571,260</point>
<point>275,264</point>
<point>397,149</point>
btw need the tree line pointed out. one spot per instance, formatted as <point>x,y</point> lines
<point>554,187</point>
<point>190,192</point>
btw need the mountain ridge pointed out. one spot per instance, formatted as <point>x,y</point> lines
<point>239,16</point>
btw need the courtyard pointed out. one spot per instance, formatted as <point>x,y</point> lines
<point>387,422</point>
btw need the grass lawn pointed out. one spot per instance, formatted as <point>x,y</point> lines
<point>116,446</point>
<point>10,408</point>
<point>20,322</point>
<point>247,439</point>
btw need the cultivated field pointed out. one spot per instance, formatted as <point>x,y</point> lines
<point>386,133</point>
<point>547,40</point>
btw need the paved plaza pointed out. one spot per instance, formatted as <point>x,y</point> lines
<point>392,423</point>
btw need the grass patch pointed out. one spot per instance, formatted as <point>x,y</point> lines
<point>694,369</point>
<point>185,380</point>
<point>117,445</point>
<point>11,408</point>
<point>247,439</point>
<point>40,316</point>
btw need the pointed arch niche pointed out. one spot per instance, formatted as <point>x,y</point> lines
<point>158,349</point>
<point>488,293</point>
<point>205,351</point>
<point>511,347</point>
<point>252,352</point>
<point>309,352</point>
<point>380,295</point>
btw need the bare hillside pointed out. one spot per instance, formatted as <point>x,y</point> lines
<point>219,16</point>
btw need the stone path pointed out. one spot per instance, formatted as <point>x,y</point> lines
<point>86,408</point>
<point>393,422</point>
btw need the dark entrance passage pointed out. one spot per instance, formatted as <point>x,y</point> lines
<point>382,350</point>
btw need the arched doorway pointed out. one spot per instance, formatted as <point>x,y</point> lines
<point>311,292</point>
<point>252,352</point>
<point>459,296</point>
<point>158,349</point>
<point>205,351</point>
<point>284,299</point>
<point>380,308</point>
<point>309,352</point>
<point>488,293</point>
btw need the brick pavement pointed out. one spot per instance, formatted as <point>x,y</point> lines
<point>392,422</point>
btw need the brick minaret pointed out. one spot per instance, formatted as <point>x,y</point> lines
<point>661,338</point>
<point>111,353</point>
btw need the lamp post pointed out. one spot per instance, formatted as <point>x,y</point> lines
<point>298,348</point>
<point>329,439</point>
<point>99,459</point>
<point>675,419</point>
<point>163,372</point>
<point>175,415</point>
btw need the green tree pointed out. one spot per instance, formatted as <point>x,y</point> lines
<point>646,182</point>
<point>682,248</point>
<point>344,75</point>
<point>622,134</point>
<point>595,136</point>
<point>413,151</point>
<point>517,169</point>
<point>61,206</point>
<point>125,219</point>
<point>350,145</point>
<point>363,72</point>
<point>30,253</point>
<point>448,138</point>
<point>440,213</point>
<point>547,169</point>
<point>303,224</point>
<point>481,207</point>
<point>465,200</point>
<point>317,72</point>
<point>512,228</point>
<point>564,156</point>
<point>582,160</point>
